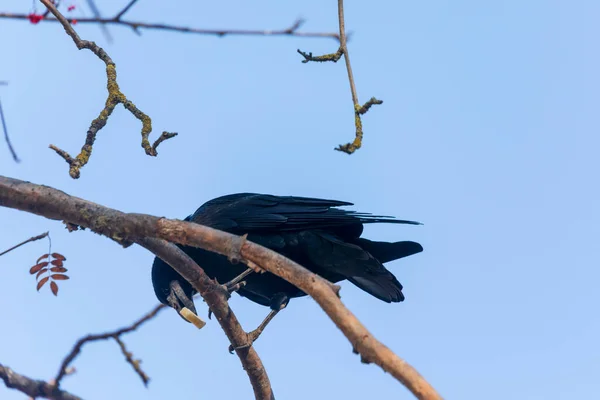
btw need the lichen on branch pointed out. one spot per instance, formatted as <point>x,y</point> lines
<point>359,110</point>
<point>115,97</point>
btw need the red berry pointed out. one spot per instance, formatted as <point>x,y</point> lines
<point>35,18</point>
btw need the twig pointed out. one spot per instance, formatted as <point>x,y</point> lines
<point>31,239</point>
<point>125,9</point>
<point>55,204</point>
<point>92,5</point>
<point>6,137</point>
<point>136,25</point>
<point>33,387</point>
<point>116,335</point>
<point>359,110</point>
<point>133,362</point>
<point>115,97</point>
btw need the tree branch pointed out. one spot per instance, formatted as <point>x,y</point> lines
<point>216,299</point>
<point>115,97</point>
<point>55,204</point>
<point>359,110</point>
<point>33,387</point>
<point>292,30</point>
<point>31,239</point>
<point>116,335</point>
<point>5,129</point>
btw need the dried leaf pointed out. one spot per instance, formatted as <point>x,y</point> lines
<point>59,277</point>
<point>42,282</point>
<point>54,288</point>
<point>58,269</point>
<point>42,257</point>
<point>41,272</point>
<point>37,267</point>
<point>59,256</point>
<point>58,263</point>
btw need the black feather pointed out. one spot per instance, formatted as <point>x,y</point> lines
<point>313,232</point>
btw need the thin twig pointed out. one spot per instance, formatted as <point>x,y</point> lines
<point>32,387</point>
<point>55,204</point>
<point>136,25</point>
<point>31,239</point>
<point>125,9</point>
<point>132,361</point>
<point>359,110</point>
<point>115,97</point>
<point>92,5</point>
<point>6,137</point>
<point>350,148</point>
<point>103,336</point>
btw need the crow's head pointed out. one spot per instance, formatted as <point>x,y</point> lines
<point>171,288</point>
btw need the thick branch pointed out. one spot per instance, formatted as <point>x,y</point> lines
<point>33,387</point>
<point>216,299</point>
<point>54,204</point>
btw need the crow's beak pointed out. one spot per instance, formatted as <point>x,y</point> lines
<point>177,299</point>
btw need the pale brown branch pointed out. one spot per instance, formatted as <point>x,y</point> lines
<point>292,30</point>
<point>31,239</point>
<point>216,299</point>
<point>54,204</point>
<point>32,387</point>
<point>115,97</point>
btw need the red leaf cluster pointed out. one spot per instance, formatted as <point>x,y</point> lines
<point>52,266</point>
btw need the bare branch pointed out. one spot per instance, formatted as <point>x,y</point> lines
<point>31,239</point>
<point>6,137</point>
<point>292,30</point>
<point>33,387</point>
<point>115,97</point>
<point>133,362</point>
<point>92,5</point>
<point>125,9</point>
<point>54,204</point>
<point>116,335</point>
<point>359,110</point>
<point>216,298</point>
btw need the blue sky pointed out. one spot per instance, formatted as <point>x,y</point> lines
<point>488,135</point>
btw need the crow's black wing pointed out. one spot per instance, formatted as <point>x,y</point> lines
<point>329,253</point>
<point>250,212</point>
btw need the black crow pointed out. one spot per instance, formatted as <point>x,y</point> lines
<point>312,232</point>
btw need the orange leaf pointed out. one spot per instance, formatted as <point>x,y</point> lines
<point>58,269</point>
<point>41,272</point>
<point>42,282</point>
<point>58,263</point>
<point>37,267</point>
<point>59,256</point>
<point>54,288</point>
<point>59,277</point>
<point>42,257</point>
